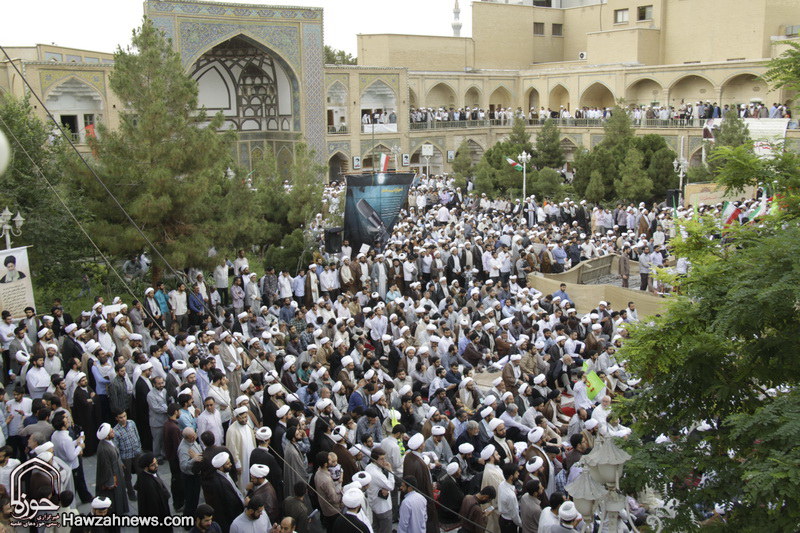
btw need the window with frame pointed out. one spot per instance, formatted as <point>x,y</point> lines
<point>645,13</point>
<point>620,16</point>
<point>558,30</point>
<point>538,28</point>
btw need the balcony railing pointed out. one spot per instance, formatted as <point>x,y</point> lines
<point>569,122</point>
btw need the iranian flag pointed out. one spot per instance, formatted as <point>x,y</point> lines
<point>730,214</point>
<point>516,166</point>
<point>760,210</point>
<point>384,163</point>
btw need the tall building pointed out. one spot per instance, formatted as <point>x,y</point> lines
<point>262,67</point>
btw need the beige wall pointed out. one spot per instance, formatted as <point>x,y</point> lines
<point>503,35</point>
<point>416,51</point>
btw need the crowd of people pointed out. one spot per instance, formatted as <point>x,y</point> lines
<point>421,386</point>
<point>687,114</point>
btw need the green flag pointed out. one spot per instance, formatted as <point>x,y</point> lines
<point>595,385</point>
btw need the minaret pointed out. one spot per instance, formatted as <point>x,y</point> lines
<point>456,22</point>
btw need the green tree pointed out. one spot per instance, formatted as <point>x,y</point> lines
<point>783,72</point>
<point>596,190</point>
<point>549,153</point>
<point>732,132</point>
<point>546,183</point>
<point>165,163</point>
<point>57,244</point>
<point>338,57</point>
<point>462,164</point>
<point>493,174</point>
<point>633,184</point>
<point>749,393</point>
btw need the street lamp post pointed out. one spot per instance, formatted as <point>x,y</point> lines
<point>681,165</point>
<point>8,229</point>
<point>524,158</point>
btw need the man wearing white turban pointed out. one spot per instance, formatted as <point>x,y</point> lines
<point>241,441</point>
<point>110,478</point>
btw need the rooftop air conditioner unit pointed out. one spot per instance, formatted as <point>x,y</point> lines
<point>583,55</point>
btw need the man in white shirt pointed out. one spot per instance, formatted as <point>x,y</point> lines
<point>507,504</point>
<point>37,377</point>
<point>379,491</point>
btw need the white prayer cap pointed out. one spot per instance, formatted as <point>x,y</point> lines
<point>363,478</point>
<point>146,366</point>
<point>505,321</point>
<point>241,410</point>
<point>466,448</point>
<point>487,452</point>
<point>338,342</point>
<point>292,398</point>
<point>594,316</point>
<point>539,345</point>
<point>405,389</point>
<point>516,356</point>
<point>434,338</point>
<point>148,290</point>
<point>452,468</point>
<point>437,430</point>
<point>22,357</point>
<point>43,332</point>
<point>534,464</point>
<point>324,340</point>
<point>486,411</point>
<point>241,398</point>
<point>416,441</point>
<point>244,386</point>
<point>495,423</point>
<point>591,423</point>
<point>567,512</point>
<point>220,459</point>
<point>223,335</point>
<point>274,389</point>
<point>353,498</point>
<point>263,433</point>
<point>464,382</point>
<point>539,379</point>
<point>242,315</point>
<point>354,450</point>
<point>259,471</point>
<point>535,435</point>
<point>337,386</point>
<point>386,338</point>
<point>523,388</point>
<point>377,396</point>
<point>347,360</point>
<point>496,381</point>
<point>47,318</point>
<point>369,374</point>
<point>311,347</point>
<point>561,338</point>
<point>179,365</point>
<point>71,327</point>
<point>338,433</point>
<point>188,372</point>
<point>283,411</point>
<point>596,327</point>
<point>191,346</point>
<point>489,400</point>
<point>432,411</point>
<point>101,503</point>
<point>103,431</point>
<point>506,394</point>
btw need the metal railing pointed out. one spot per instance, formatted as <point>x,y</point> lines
<point>340,130</point>
<point>568,122</point>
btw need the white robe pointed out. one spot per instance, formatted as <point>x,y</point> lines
<point>241,440</point>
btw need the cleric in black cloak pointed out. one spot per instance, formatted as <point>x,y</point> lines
<point>152,492</point>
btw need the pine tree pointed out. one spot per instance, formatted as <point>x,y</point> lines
<point>519,135</point>
<point>166,163</point>
<point>633,183</point>
<point>596,190</point>
<point>48,228</point>
<point>462,164</point>
<point>546,183</point>
<point>549,153</point>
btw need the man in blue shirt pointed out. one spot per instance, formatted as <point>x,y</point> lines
<point>562,293</point>
<point>560,256</point>
<point>196,309</point>
<point>163,303</point>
